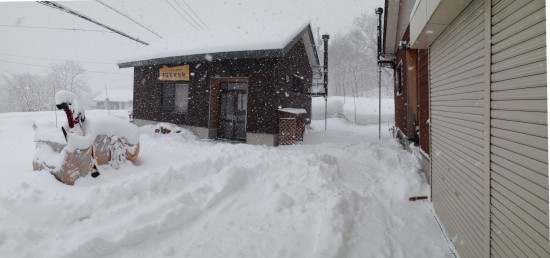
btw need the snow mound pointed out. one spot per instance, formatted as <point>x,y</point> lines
<point>343,193</point>
<point>169,128</point>
<point>49,134</point>
<point>112,126</point>
<point>293,110</point>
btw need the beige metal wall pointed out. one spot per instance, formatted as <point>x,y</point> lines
<point>489,137</point>
<point>457,84</point>
<point>519,140</point>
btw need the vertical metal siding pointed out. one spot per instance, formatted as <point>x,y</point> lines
<point>519,140</point>
<point>458,103</point>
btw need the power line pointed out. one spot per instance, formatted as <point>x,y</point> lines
<point>181,15</point>
<point>70,11</point>
<point>53,28</point>
<point>188,15</point>
<point>195,14</point>
<point>44,58</point>
<point>90,71</point>
<point>136,22</point>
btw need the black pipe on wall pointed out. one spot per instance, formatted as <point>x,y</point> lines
<point>325,65</point>
<point>325,76</point>
<point>379,12</point>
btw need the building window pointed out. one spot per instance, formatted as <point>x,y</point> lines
<point>175,97</point>
<point>399,79</point>
<point>298,84</point>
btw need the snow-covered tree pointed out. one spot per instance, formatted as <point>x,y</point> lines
<point>69,76</point>
<point>4,99</point>
<point>28,92</point>
<point>353,69</point>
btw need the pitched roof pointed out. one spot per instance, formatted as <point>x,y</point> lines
<point>226,44</point>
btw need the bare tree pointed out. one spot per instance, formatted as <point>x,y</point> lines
<point>70,76</point>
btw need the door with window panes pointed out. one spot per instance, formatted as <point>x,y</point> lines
<point>232,124</point>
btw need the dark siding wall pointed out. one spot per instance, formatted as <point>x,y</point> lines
<point>148,94</point>
<point>295,62</point>
<point>262,110</point>
<point>424,100</point>
<point>401,101</point>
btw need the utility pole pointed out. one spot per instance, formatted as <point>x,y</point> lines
<point>325,76</point>
<point>379,12</point>
<point>54,108</point>
<point>107,100</point>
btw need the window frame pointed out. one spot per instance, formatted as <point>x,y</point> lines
<point>298,84</point>
<point>168,94</point>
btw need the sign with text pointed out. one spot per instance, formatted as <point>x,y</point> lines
<point>178,73</point>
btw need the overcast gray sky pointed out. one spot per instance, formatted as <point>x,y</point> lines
<point>32,50</point>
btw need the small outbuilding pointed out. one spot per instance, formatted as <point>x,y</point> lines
<point>226,85</point>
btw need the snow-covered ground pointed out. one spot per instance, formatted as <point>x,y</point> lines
<point>361,111</point>
<point>342,193</point>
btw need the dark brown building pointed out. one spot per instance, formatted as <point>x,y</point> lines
<point>232,95</point>
<point>412,97</point>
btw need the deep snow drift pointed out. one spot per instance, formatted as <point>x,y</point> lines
<point>343,193</point>
<point>361,111</point>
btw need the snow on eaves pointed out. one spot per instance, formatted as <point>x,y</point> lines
<point>293,110</point>
<point>274,37</point>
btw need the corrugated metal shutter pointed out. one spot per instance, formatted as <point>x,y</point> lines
<point>519,140</point>
<point>457,85</point>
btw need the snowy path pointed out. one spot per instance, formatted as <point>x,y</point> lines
<point>343,193</point>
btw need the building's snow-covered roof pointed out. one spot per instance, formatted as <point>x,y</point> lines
<point>116,95</point>
<point>226,43</point>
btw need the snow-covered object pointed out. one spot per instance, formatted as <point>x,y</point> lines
<point>64,163</point>
<point>112,126</point>
<point>50,134</point>
<point>114,151</point>
<point>296,111</point>
<point>72,101</point>
<point>105,140</point>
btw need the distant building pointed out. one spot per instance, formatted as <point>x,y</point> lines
<point>223,85</point>
<point>117,99</point>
